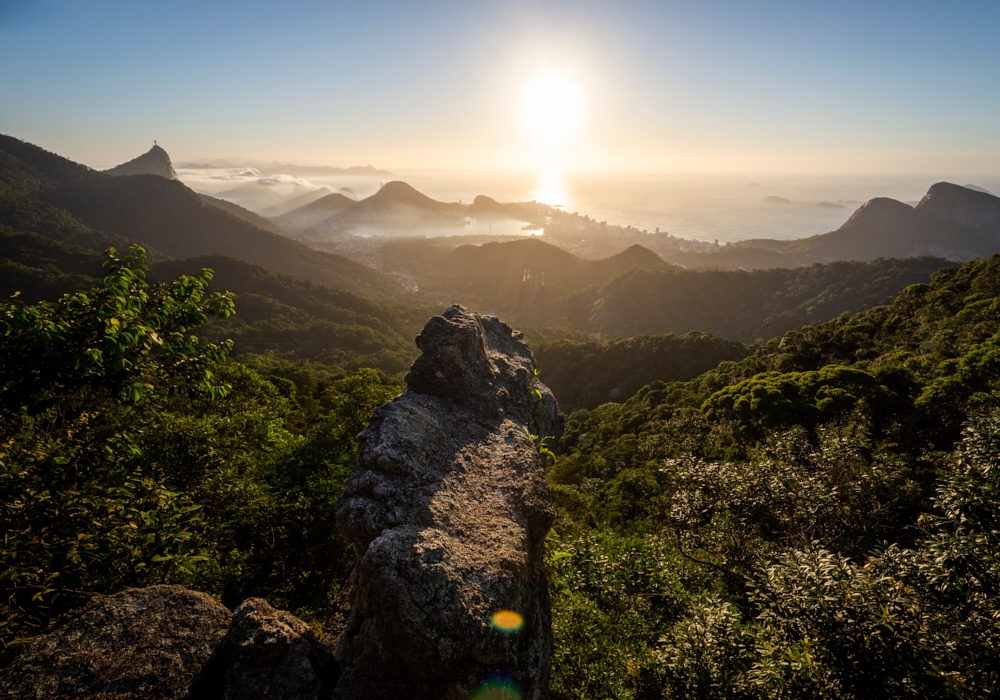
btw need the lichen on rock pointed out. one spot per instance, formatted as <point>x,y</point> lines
<point>449,508</point>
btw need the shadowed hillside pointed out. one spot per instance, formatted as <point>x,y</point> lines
<point>54,197</point>
<point>741,305</point>
<point>308,215</point>
<point>243,214</point>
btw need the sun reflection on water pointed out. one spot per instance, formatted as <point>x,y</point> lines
<point>550,188</point>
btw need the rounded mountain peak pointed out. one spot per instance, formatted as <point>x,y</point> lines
<point>881,211</point>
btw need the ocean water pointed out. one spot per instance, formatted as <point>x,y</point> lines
<point>730,208</point>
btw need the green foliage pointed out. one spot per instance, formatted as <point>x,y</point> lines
<point>267,470</point>
<point>828,542</point>
<point>774,399</point>
<point>918,622</point>
<point>130,454</point>
<point>80,509</point>
<point>610,596</point>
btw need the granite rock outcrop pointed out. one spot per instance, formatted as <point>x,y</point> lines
<point>449,508</point>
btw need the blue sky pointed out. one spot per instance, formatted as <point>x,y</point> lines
<point>667,86</point>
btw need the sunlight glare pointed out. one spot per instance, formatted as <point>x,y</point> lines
<point>551,111</point>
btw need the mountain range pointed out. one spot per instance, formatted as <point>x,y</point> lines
<point>951,221</point>
<point>46,194</point>
<point>529,280</point>
<point>312,214</point>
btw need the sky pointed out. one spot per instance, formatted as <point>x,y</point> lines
<point>654,87</point>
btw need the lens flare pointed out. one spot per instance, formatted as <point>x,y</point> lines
<point>507,621</point>
<point>497,690</point>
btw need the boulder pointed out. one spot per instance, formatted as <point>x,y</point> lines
<point>147,643</point>
<point>449,508</point>
<point>267,653</point>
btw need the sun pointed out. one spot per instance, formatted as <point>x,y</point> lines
<point>551,111</point>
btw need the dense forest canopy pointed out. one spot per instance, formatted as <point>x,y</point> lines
<point>815,520</point>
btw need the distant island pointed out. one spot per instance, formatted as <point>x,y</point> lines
<point>776,200</point>
<point>754,184</point>
<point>830,205</point>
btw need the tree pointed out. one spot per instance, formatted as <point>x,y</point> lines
<point>79,380</point>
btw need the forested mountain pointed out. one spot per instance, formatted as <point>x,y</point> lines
<point>536,284</point>
<point>298,319</point>
<point>282,314</point>
<point>308,215</point>
<point>396,205</point>
<point>36,267</point>
<point>45,194</point>
<point>746,306</point>
<point>820,497</point>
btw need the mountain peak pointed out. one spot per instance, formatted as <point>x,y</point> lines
<point>962,206</point>
<point>882,212</point>
<point>155,161</point>
<point>398,191</point>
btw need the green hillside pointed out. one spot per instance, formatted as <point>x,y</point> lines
<point>281,314</point>
<point>299,319</point>
<point>534,284</point>
<point>828,495</point>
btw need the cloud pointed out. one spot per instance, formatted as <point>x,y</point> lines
<point>231,174</point>
<point>283,180</point>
